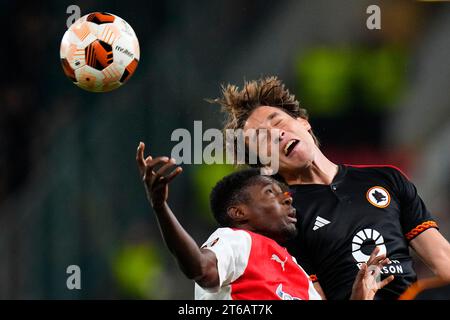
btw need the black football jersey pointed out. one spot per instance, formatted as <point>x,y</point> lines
<point>340,225</point>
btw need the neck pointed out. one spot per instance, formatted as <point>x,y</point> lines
<point>318,171</point>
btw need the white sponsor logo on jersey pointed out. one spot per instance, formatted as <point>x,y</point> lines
<point>277,259</point>
<point>320,222</point>
<point>366,235</point>
<point>284,295</point>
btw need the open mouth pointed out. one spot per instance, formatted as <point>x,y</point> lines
<point>292,215</point>
<point>290,146</point>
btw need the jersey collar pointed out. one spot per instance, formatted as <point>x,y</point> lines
<point>338,178</point>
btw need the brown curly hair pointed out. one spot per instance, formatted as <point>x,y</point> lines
<point>238,104</point>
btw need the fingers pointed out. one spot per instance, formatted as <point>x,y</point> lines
<point>378,260</point>
<point>377,264</point>
<point>384,262</point>
<point>161,173</point>
<point>140,157</point>
<point>385,282</point>
<point>373,255</point>
<point>164,173</point>
<point>361,273</point>
<point>374,270</point>
<point>169,163</point>
<point>148,159</point>
<point>150,164</point>
<point>173,174</point>
<point>147,166</point>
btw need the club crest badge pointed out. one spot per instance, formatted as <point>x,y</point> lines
<point>210,244</point>
<point>378,197</point>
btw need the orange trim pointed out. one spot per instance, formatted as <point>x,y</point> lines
<point>81,30</point>
<point>420,228</point>
<point>421,285</point>
<point>313,278</point>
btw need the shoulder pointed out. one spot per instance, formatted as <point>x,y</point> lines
<point>229,236</point>
<point>384,172</point>
<point>385,169</point>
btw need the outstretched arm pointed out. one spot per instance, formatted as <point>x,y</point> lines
<point>197,264</point>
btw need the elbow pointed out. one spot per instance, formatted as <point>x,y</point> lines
<point>208,277</point>
<point>442,269</point>
<point>195,271</point>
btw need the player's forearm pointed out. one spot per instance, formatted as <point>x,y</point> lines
<point>434,250</point>
<point>180,243</point>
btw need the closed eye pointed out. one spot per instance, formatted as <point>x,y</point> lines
<point>269,191</point>
<point>273,190</point>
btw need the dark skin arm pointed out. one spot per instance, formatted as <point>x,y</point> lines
<point>197,264</point>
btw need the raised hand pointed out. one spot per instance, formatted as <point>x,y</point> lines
<point>366,282</point>
<point>155,179</point>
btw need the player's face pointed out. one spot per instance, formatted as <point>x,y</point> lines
<point>270,210</point>
<point>295,144</point>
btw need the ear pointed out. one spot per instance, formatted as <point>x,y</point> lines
<point>304,123</point>
<point>237,214</point>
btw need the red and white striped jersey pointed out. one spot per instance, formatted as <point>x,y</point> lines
<point>254,267</point>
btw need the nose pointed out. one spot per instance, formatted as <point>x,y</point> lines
<point>282,134</point>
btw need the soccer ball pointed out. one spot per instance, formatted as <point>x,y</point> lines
<point>99,52</point>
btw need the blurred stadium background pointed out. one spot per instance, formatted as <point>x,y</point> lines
<point>69,188</point>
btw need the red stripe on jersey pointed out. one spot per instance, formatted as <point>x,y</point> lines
<point>377,166</point>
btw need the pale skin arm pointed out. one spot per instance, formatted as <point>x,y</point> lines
<point>434,250</point>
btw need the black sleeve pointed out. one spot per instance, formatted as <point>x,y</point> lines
<point>414,216</point>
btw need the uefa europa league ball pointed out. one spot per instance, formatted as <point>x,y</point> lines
<point>99,52</point>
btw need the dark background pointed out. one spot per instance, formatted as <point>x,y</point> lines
<point>69,189</point>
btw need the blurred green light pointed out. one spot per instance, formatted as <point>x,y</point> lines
<point>383,74</point>
<point>324,76</point>
<point>332,80</point>
<point>205,178</point>
<point>138,270</point>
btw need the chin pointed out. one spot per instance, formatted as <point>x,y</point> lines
<point>293,233</point>
<point>294,164</point>
<point>289,234</point>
